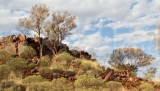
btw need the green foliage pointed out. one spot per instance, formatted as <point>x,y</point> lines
<point>77,62</point>
<point>87,89</point>
<point>27,52</point>
<point>64,57</point>
<point>45,71</point>
<point>40,86</point>
<point>63,60</point>
<point>45,61</point>
<point>150,73</point>
<point>4,71</point>
<point>61,84</point>
<point>94,72</point>
<point>4,56</point>
<point>87,81</point>
<point>136,56</point>
<point>146,87</point>
<point>17,64</point>
<point>113,85</point>
<point>85,66</point>
<point>32,79</point>
<point>19,87</point>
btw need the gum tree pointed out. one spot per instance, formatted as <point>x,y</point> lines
<point>35,22</point>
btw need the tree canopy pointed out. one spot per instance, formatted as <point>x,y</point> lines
<point>56,29</point>
<point>129,58</point>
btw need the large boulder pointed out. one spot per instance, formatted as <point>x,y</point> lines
<point>33,43</point>
<point>21,38</point>
<point>10,38</point>
<point>84,54</point>
<point>75,53</point>
<point>62,48</point>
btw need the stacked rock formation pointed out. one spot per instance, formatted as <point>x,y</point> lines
<point>12,43</point>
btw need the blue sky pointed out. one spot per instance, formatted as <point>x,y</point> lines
<point>103,25</point>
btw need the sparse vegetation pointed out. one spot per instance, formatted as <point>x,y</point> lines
<point>45,61</point>
<point>32,79</point>
<point>4,71</point>
<point>113,86</point>
<point>27,52</point>
<point>88,81</point>
<point>43,64</point>
<point>146,87</point>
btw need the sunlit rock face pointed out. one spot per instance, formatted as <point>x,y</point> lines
<point>12,43</point>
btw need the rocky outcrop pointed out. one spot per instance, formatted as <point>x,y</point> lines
<point>12,43</point>
<point>75,53</point>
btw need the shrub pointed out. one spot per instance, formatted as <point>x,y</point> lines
<point>19,87</point>
<point>146,87</point>
<point>85,66</point>
<point>4,71</point>
<point>61,84</point>
<point>45,72</point>
<point>75,65</point>
<point>114,85</point>
<point>64,56</point>
<point>88,89</point>
<point>7,84</point>
<point>40,86</point>
<point>87,81</point>
<point>94,72</point>
<point>27,52</point>
<point>17,64</point>
<point>32,79</point>
<point>63,60</point>
<point>45,61</point>
<point>4,56</point>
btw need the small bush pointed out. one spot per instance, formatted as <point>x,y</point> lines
<point>32,79</point>
<point>113,86</point>
<point>4,56</point>
<point>146,87</point>
<point>61,84</point>
<point>87,81</point>
<point>45,72</point>
<point>85,66</point>
<point>27,52</point>
<point>45,61</point>
<point>40,86</point>
<point>4,71</point>
<point>7,84</point>
<point>17,64</point>
<point>76,64</point>
<point>64,57</point>
<point>63,60</point>
<point>94,72</point>
<point>88,89</point>
<point>19,87</point>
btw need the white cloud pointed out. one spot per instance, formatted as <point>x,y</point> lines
<point>135,37</point>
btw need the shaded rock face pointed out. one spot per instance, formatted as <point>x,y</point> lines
<point>84,54</point>
<point>62,48</point>
<point>33,43</point>
<point>75,53</point>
